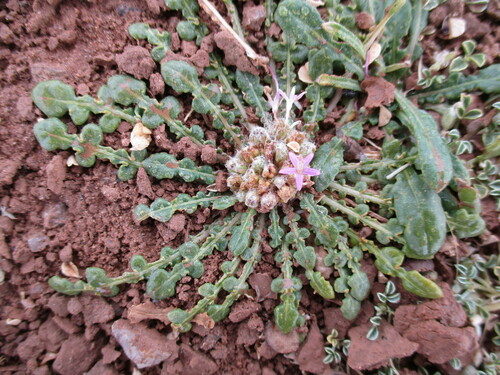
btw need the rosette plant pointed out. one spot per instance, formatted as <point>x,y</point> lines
<point>290,174</point>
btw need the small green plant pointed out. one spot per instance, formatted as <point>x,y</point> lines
<point>300,195</point>
<point>336,349</point>
<point>390,295</point>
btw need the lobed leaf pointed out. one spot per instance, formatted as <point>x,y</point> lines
<point>52,134</point>
<point>322,224</point>
<point>163,210</point>
<point>52,97</point>
<point>433,154</point>
<point>419,210</point>
<point>328,160</point>
<point>252,90</point>
<point>161,40</point>
<point>240,239</point>
<point>275,230</point>
<point>163,165</point>
<point>320,284</point>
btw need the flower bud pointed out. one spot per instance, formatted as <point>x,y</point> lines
<point>268,201</point>
<point>258,135</point>
<point>258,164</point>
<point>252,199</point>
<point>280,152</point>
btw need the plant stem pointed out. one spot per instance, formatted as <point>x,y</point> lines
<point>365,220</point>
<point>357,194</point>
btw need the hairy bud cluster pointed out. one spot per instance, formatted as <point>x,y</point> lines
<point>254,171</point>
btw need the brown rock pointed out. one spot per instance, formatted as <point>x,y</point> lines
<point>144,184</point>
<point>109,354</point>
<point>6,35</point>
<point>24,108</point>
<point>32,347</point>
<point>253,17</point>
<point>280,342</point>
<point>380,92</point>
<point>136,61</point>
<point>100,368</point>
<point>8,171</point>
<point>266,352</point>
<point>234,54</point>
<point>76,356</point>
<point>96,310</point>
<point>261,283</point>
<point>51,335</point>
<point>311,353</point>
<point>54,215</point>
<point>365,354</point>
<point>196,363</point>
<point>177,223</point>
<point>144,346</point>
<point>364,20</point>
<point>243,310</point>
<point>56,173</point>
<point>446,310</point>
<point>58,304</point>
<point>208,154</point>
<point>439,343</point>
<point>246,336</point>
<point>156,84</point>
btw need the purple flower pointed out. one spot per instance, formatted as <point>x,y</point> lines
<point>300,168</point>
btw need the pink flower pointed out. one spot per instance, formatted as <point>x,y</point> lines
<point>300,168</point>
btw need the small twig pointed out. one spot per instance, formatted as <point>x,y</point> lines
<point>216,17</point>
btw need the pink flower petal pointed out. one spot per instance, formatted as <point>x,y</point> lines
<point>288,171</point>
<point>299,181</point>
<point>293,159</point>
<point>312,172</point>
<point>307,159</point>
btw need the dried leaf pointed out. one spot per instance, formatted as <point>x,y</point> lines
<point>384,116</point>
<point>304,74</point>
<point>140,138</point>
<point>148,310</point>
<point>70,270</point>
<point>48,357</point>
<point>204,320</point>
<point>379,92</point>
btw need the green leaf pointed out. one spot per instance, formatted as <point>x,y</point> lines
<point>316,112</point>
<point>207,290</point>
<point>464,224</point>
<point>109,123</point>
<point>417,284</point>
<point>177,316</point>
<point>359,285</point>
<point>469,46</point>
<point>180,75</point>
<point>388,259</point>
<point>52,134</point>
<point>224,202</point>
<point>418,208</point>
<point>322,224</point>
<point>287,316</point>
<point>240,239</point>
<point>350,307</point>
<point>218,312</point>
<point>300,20</point>
<point>328,160</point>
<point>138,263</point>
<point>275,230</point>
<point>433,155</point>
<point>91,133</point>
<point>161,284</point>
<point>161,40</point>
<point>65,286</point>
<point>338,82</point>
<point>320,284</point>
<point>341,32</point>
<point>163,165</point>
<point>458,64</point>
<point>52,97</point>
<point>126,90</point>
<point>252,90</point>
<point>163,210</point>
<point>487,80</point>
